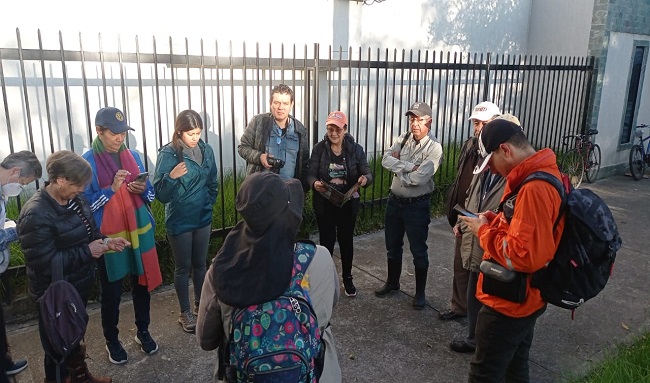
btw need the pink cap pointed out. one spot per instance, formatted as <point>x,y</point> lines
<point>337,118</point>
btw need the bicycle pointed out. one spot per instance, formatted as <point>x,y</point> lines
<point>583,159</point>
<point>639,156</point>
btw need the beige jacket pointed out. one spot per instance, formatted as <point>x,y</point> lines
<point>470,249</point>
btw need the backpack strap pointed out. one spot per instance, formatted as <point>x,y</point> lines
<point>303,254</point>
<point>538,175</point>
<point>406,138</point>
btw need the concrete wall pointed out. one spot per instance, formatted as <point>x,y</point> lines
<point>560,27</point>
<point>616,25</point>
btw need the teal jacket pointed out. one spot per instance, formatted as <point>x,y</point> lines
<point>188,199</point>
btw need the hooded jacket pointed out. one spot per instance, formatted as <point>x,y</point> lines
<point>528,243</point>
<point>188,199</point>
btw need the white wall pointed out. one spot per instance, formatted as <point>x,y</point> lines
<point>615,86</point>
<point>560,27</point>
<point>449,25</point>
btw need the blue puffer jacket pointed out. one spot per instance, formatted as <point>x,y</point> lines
<point>188,199</point>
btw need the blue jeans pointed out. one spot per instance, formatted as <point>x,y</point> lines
<point>502,347</point>
<point>190,252</point>
<point>412,219</point>
<point>111,297</point>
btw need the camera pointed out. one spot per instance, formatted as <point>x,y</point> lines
<point>275,163</point>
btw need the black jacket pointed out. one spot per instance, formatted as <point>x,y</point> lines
<point>355,161</point>
<point>46,229</point>
<point>466,161</point>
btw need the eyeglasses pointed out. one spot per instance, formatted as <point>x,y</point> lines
<point>334,130</point>
<point>419,120</point>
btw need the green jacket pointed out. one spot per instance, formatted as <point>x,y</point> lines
<point>188,199</point>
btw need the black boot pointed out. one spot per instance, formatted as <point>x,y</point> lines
<point>420,284</point>
<point>392,283</point>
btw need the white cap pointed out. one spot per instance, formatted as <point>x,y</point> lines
<point>485,111</point>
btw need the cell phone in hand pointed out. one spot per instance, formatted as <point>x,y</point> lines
<point>464,211</point>
<point>142,177</point>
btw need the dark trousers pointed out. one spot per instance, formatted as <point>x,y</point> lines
<point>473,308</point>
<point>412,219</point>
<point>459,282</point>
<point>190,252</point>
<point>338,223</point>
<point>4,352</point>
<point>111,297</point>
<point>502,347</point>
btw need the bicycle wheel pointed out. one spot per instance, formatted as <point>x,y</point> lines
<point>573,165</point>
<point>637,164</point>
<point>593,163</point>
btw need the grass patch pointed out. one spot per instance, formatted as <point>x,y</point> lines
<point>626,364</point>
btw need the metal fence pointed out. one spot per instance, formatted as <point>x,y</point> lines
<point>50,93</point>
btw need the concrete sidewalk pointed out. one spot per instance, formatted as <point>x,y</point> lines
<point>385,340</point>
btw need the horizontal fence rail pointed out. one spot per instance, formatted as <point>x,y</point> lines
<point>50,96</point>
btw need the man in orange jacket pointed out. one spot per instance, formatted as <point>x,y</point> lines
<point>525,244</point>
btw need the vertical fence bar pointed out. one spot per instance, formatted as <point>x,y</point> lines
<point>85,88</point>
<point>66,91</point>
<point>222,199</point>
<point>45,92</point>
<point>141,94</point>
<point>189,81</point>
<point>204,104</point>
<point>101,62</point>
<point>6,104</point>
<point>157,85</point>
<point>173,76</point>
<point>25,92</point>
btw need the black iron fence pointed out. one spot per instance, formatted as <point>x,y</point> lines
<point>50,93</point>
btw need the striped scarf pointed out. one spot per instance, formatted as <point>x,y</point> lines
<point>127,216</point>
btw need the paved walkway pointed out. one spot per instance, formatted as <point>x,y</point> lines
<point>385,340</point>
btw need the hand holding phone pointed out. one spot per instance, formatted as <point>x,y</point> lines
<point>142,177</point>
<point>464,211</point>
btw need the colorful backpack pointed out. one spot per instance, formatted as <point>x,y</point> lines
<point>277,341</point>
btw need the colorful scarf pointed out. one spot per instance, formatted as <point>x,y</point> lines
<point>127,216</point>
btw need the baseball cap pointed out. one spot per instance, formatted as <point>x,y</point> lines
<point>495,133</point>
<point>113,119</point>
<point>420,109</point>
<point>484,111</point>
<point>337,118</point>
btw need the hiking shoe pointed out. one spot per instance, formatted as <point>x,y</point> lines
<point>461,346</point>
<point>449,315</point>
<point>187,321</point>
<point>116,353</point>
<point>16,366</point>
<point>350,290</point>
<point>147,344</point>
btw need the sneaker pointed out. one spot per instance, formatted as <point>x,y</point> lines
<point>116,353</point>
<point>147,344</point>
<point>187,321</point>
<point>350,290</point>
<point>16,366</point>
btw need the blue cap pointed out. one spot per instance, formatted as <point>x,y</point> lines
<point>113,119</point>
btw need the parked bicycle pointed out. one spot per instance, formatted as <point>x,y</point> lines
<point>582,159</point>
<point>639,156</point>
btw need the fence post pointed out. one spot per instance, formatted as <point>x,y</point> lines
<point>486,88</point>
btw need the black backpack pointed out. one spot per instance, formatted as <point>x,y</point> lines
<point>585,256</point>
<point>63,315</point>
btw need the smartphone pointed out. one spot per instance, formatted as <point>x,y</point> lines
<point>464,211</point>
<point>142,177</point>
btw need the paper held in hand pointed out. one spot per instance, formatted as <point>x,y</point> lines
<point>338,198</point>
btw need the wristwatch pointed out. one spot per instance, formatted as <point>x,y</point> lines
<point>105,241</point>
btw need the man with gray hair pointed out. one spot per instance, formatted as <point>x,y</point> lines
<point>413,159</point>
<point>16,170</point>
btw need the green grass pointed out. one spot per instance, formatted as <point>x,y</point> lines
<point>626,364</point>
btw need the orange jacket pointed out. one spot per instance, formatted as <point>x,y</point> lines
<point>528,241</point>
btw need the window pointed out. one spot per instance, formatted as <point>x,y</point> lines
<point>633,89</point>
